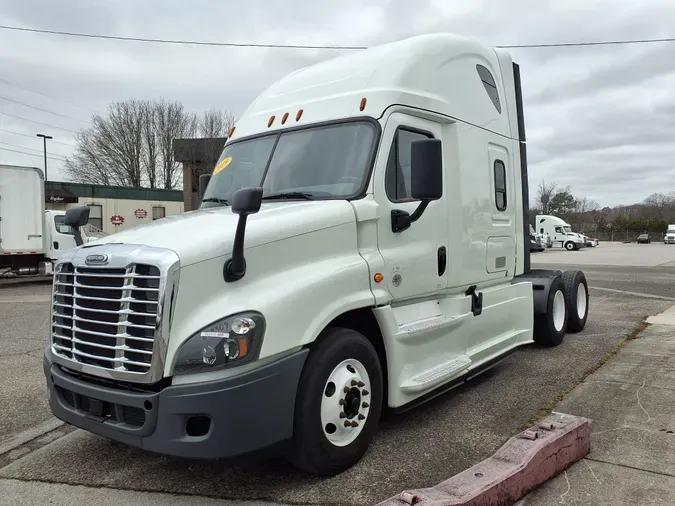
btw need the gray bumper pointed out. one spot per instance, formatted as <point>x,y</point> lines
<point>245,413</point>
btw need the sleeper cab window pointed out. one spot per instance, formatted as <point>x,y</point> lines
<point>500,185</point>
<point>397,178</point>
<point>490,86</point>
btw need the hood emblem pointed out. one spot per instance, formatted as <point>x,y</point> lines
<point>98,259</point>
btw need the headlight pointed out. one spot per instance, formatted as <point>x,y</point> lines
<point>232,341</point>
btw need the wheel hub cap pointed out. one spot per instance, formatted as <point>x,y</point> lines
<point>345,402</point>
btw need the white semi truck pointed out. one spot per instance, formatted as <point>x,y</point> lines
<point>560,232</point>
<point>31,238</point>
<point>669,237</point>
<point>362,244</point>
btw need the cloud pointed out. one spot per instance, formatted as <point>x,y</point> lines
<point>599,119</point>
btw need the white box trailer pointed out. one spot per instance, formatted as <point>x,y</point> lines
<point>362,244</point>
<point>31,238</point>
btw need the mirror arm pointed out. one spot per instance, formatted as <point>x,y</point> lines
<point>78,236</point>
<point>235,266</point>
<point>401,220</point>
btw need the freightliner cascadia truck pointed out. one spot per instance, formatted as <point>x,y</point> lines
<point>362,244</point>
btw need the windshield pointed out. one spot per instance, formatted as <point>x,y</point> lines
<point>568,229</point>
<point>329,162</point>
<point>60,225</point>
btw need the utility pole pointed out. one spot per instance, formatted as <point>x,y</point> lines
<point>44,143</point>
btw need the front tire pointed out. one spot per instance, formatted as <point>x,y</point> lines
<point>550,327</point>
<point>569,246</point>
<point>338,404</point>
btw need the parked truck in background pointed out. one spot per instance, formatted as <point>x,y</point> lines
<point>31,237</point>
<point>560,232</point>
<point>362,244</point>
<point>669,237</point>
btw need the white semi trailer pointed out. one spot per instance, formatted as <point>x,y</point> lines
<point>362,244</point>
<point>31,237</point>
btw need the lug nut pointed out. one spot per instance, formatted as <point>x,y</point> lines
<point>348,423</point>
<point>342,402</point>
<point>365,392</point>
<point>354,383</point>
<point>343,414</point>
<point>346,390</point>
<point>365,405</point>
<point>362,417</point>
<point>355,424</point>
<point>361,384</point>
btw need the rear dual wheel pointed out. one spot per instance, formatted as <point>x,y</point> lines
<point>577,299</point>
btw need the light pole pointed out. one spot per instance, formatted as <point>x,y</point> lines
<point>44,143</point>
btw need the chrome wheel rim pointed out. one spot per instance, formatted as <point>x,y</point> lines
<point>345,402</point>
<point>558,310</point>
<point>581,301</point>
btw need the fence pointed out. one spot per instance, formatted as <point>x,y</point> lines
<point>624,235</point>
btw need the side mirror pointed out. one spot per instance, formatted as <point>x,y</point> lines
<point>246,201</point>
<point>203,183</point>
<point>426,170</point>
<point>75,218</point>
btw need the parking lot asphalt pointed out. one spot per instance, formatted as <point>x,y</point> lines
<point>412,450</point>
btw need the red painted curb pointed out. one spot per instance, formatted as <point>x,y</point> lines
<point>522,464</point>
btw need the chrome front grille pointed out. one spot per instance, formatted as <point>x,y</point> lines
<point>106,317</point>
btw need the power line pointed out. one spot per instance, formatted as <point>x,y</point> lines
<point>44,94</point>
<point>31,154</point>
<point>33,137</point>
<point>61,157</point>
<point>303,46</point>
<point>38,122</point>
<point>174,41</point>
<point>43,110</point>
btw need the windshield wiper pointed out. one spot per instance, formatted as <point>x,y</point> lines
<point>215,199</point>
<point>289,195</point>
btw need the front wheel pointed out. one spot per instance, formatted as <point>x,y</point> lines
<point>338,403</point>
<point>569,246</point>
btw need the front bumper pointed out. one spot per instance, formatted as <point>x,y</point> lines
<point>208,420</point>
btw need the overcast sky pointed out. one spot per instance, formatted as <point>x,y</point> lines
<point>600,119</point>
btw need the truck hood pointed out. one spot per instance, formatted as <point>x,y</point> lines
<point>203,234</point>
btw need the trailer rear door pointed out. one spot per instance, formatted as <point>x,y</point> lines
<point>22,207</point>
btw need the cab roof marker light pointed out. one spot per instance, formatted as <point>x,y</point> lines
<point>363,104</point>
<point>271,120</point>
<point>231,132</point>
<point>284,118</point>
<point>299,115</point>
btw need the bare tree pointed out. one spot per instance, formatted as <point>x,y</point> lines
<point>132,145</point>
<point>545,193</point>
<point>215,123</point>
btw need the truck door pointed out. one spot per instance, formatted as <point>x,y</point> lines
<point>415,259</point>
<point>61,235</point>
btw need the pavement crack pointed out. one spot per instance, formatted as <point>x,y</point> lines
<point>569,487</point>
<point>591,470</point>
<point>637,394</point>
<point>634,468</point>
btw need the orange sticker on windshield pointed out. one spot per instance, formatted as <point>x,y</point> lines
<point>222,165</point>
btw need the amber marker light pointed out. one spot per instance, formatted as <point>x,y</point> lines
<point>299,115</point>
<point>284,118</point>
<point>231,132</point>
<point>271,120</point>
<point>378,277</point>
<point>363,103</point>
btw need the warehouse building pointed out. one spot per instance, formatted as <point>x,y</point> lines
<point>114,208</point>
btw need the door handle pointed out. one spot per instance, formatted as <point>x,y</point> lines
<point>442,260</point>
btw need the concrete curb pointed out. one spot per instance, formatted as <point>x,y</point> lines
<point>522,464</point>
